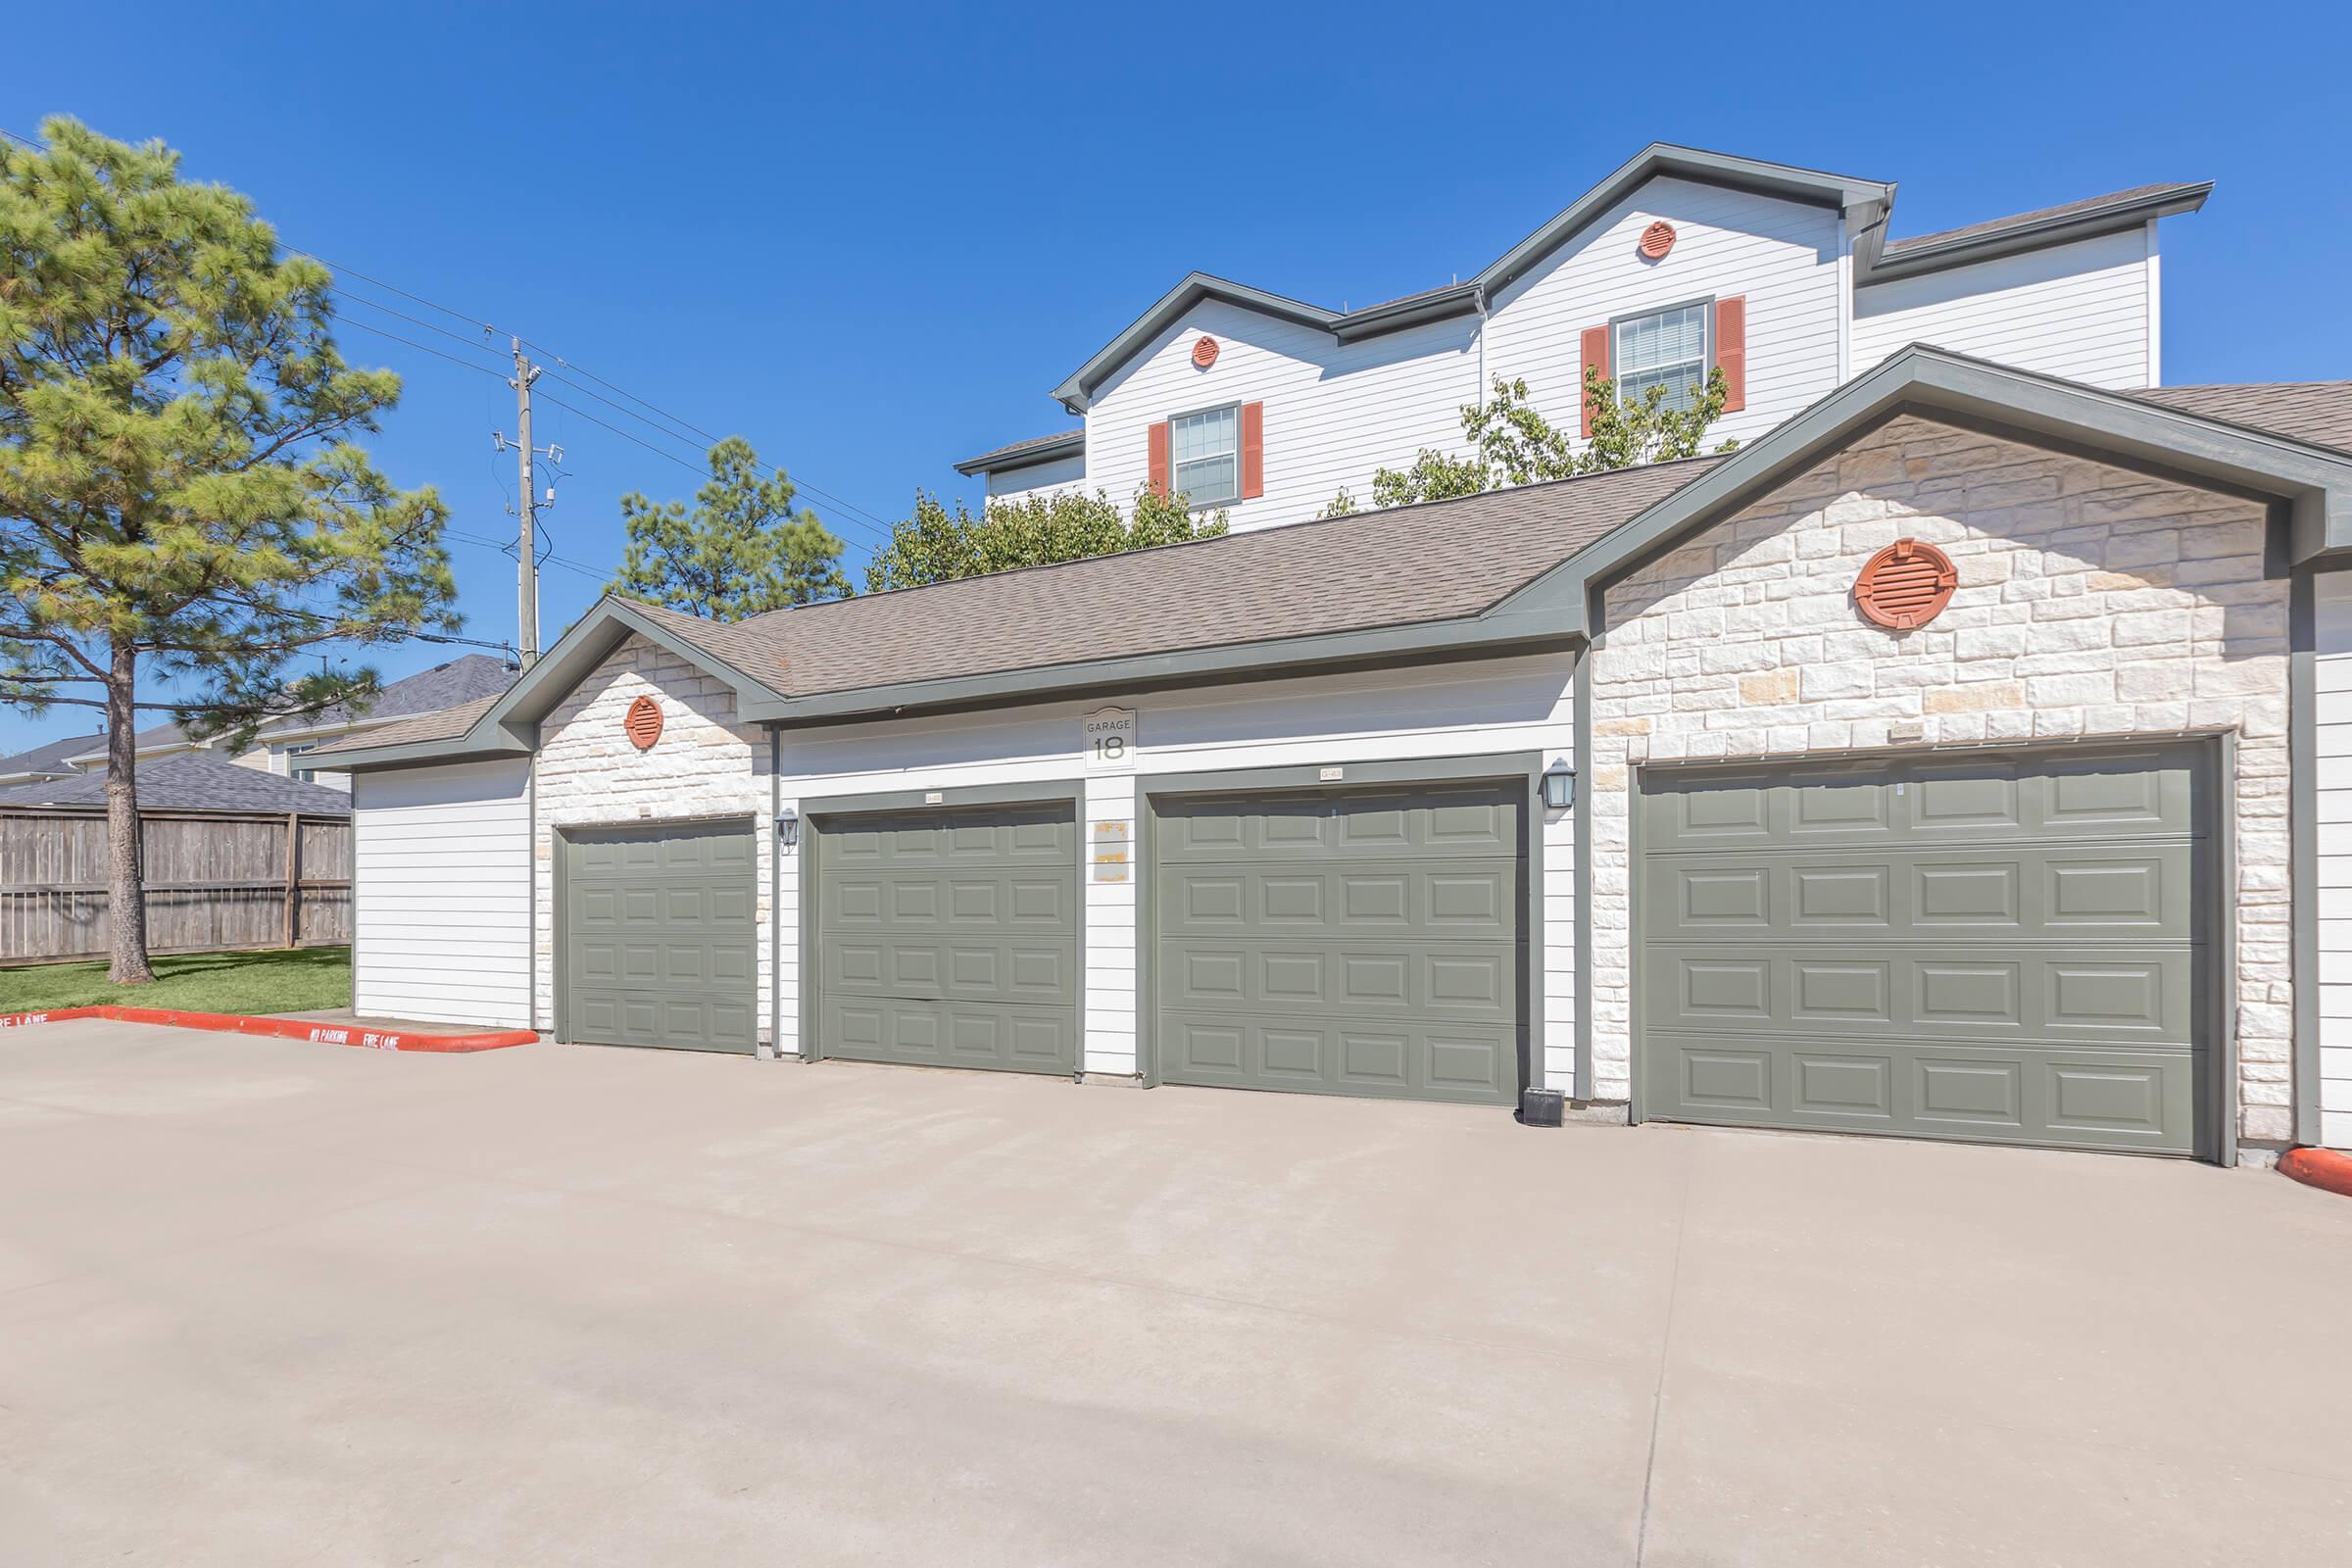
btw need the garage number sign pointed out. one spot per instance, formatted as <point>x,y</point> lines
<point>1110,741</point>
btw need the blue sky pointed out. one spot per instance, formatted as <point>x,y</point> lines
<point>872,238</point>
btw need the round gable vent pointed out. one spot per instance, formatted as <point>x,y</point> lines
<point>1906,585</point>
<point>1205,350</point>
<point>1657,239</point>
<point>643,723</point>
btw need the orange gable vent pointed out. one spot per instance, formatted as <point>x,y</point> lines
<point>643,723</point>
<point>1906,585</point>
<point>1657,239</point>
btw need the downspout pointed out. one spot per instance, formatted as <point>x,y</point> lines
<point>775,892</point>
<point>1845,300</point>
<point>1581,738</point>
<point>1478,393</point>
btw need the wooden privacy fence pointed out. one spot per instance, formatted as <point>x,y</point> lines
<point>215,880</point>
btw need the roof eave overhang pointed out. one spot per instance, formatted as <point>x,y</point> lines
<point>1437,305</point>
<point>1075,392</point>
<point>1071,445</point>
<point>1472,636</point>
<point>1880,266</point>
<point>1864,202</point>
<point>2311,485</point>
<point>510,727</point>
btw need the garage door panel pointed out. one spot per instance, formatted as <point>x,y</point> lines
<point>1464,900</point>
<point>660,936</point>
<point>948,938</point>
<point>2136,995</point>
<point>1998,946</point>
<point>1365,943</point>
<point>1390,1058</point>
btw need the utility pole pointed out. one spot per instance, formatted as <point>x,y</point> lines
<point>527,615</point>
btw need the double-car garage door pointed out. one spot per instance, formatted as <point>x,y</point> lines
<point>2004,946</point>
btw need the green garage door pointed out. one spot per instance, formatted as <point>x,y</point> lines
<point>2003,947</point>
<point>660,940</point>
<point>1367,942</point>
<point>948,938</point>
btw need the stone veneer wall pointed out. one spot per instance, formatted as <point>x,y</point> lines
<point>2094,601</point>
<point>705,765</point>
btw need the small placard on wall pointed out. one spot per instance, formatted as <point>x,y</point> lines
<point>1110,738</point>
<point>1110,852</point>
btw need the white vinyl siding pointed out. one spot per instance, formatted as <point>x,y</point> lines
<point>2082,311</point>
<point>1038,478</point>
<point>1780,256</point>
<point>2333,664</point>
<point>441,894</point>
<point>1333,412</point>
<point>1500,706</point>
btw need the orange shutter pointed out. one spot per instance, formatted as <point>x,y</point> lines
<point>1159,459</point>
<point>1596,360</point>
<point>1253,450</point>
<point>1730,351</point>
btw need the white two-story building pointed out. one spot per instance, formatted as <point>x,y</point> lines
<point>1966,755</point>
<point>1679,262</point>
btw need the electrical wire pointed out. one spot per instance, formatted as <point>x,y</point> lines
<point>678,428</point>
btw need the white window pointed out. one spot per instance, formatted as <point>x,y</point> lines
<point>292,752</point>
<point>1204,455</point>
<point>1665,347</point>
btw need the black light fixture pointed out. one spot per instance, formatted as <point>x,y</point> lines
<point>1559,787</point>
<point>788,827</point>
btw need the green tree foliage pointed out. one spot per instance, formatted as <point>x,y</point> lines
<point>181,496</point>
<point>939,545</point>
<point>740,550</point>
<point>1516,445</point>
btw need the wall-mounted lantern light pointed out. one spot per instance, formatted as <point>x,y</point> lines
<point>788,827</point>
<point>1559,787</point>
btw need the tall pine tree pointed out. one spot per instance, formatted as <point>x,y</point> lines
<point>180,497</point>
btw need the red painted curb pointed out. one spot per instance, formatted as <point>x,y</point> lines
<point>317,1034</point>
<point>2324,1168</point>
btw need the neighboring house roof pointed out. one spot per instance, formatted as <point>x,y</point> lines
<point>440,724</point>
<point>46,761</point>
<point>459,680</point>
<point>1022,454</point>
<point>191,781</point>
<point>2316,411</point>
<point>1507,571</point>
<point>2087,219</point>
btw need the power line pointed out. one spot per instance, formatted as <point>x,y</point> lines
<point>877,527</point>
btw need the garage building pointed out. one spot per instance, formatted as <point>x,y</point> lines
<point>1661,788</point>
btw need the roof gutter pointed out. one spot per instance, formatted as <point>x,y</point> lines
<point>1913,259</point>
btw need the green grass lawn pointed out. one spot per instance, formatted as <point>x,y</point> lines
<point>296,980</point>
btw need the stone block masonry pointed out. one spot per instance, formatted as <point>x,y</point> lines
<point>589,773</point>
<point>2095,602</point>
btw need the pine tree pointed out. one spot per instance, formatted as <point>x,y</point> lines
<point>741,549</point>
<point>180,497</point>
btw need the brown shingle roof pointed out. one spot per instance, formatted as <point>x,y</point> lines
<point>2319,412</point>
<point>1431,562</point>
<point>1995,225</point>
<point>446,724</point>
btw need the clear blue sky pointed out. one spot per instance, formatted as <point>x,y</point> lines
<point>870,238</point>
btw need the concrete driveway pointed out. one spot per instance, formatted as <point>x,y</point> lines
<point>274,1302</point>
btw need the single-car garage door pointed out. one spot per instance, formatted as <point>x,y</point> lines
<point>1368,943</point>
<point>948,938</point>
<point>2004,946</point>
<point>660,939</point>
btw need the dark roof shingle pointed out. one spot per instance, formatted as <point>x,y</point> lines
<point>2317,413</point>
<point>191,781</point>
<point>2040,214</point>
<point>1392,567</point>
